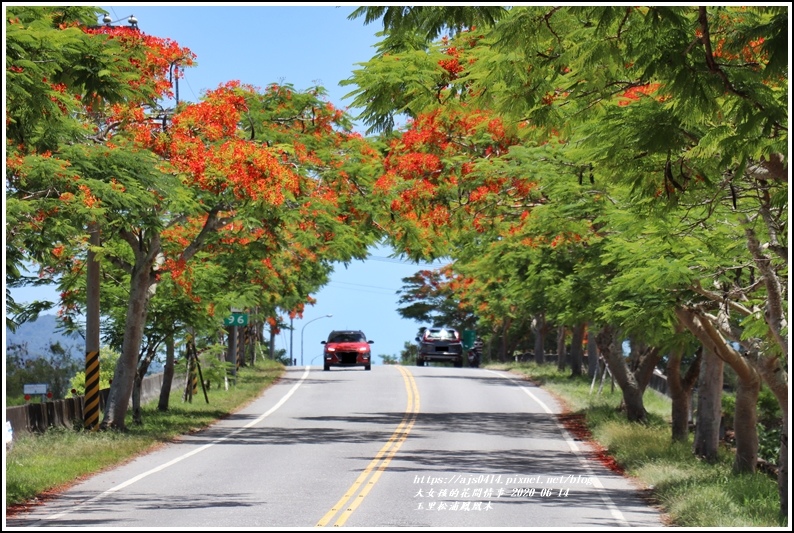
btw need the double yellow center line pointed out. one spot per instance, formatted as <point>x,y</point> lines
<point>361,487</point>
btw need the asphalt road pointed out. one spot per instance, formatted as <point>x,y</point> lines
<point>394,447</point>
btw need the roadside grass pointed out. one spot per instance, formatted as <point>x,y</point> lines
<point>39,464</point>
<point>690,491</point>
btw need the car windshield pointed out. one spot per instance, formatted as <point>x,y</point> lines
<point>347,337</point>
<point>440,334</point>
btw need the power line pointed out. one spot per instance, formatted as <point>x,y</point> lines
<point>184,78</point>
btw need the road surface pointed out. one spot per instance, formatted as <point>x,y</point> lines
<point>393,447</point>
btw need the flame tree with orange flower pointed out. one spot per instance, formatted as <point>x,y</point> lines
<point>259,184</point>
<point>63,77</point>
<point>682,113</point>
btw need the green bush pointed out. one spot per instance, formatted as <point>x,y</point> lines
<point>107,366</point>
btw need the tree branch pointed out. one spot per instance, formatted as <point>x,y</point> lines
<point>773,314</point>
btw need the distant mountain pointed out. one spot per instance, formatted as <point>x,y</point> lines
<point>36,338</point>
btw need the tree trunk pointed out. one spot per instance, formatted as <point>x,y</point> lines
<point>561,352</point>
<point>146,247</point>
<point>705,328</point>
<point>503,343</point>
<point>118,399</point>
<point>632,384</point>
<point>143,368</point>
<point>709,406</point>
<point>256,338</point>
<point>782,467</point>
<point>272,342</point>
<point>745,422</point>
<point>774,375</point>
<point>611,350</point>
<point>681,391</point>
<point>592,351</point>
<point>577,338</point>
<point>539,328</point>
<point>137,415</point>
<point>168,374</point>
<point>643,362</point>
<point>775,313</point>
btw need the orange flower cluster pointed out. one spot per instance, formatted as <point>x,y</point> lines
<point>159,55</point>
<point>202,144</point>
<point>635,93</point>
<point>88,197</point>
<point>753,53</point>
<point>565,237</point>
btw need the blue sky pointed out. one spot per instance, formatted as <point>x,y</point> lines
<point>303,45</point>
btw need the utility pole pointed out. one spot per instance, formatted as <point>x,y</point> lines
<point>91,406</point>
<point>231,353</point>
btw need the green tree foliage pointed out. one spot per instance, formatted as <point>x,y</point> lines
<point>428,21</point>
<point>408,353</point>
<point>56,75</point>
<point>107,365</point>
<point>656,136</point>
<point>429,297</point>
<point>389,359</point>
<point>243,199</point>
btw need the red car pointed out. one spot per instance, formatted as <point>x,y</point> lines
<point>347,348</point>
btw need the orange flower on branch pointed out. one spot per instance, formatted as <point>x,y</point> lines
<point>635,93</point>
<point>88,197</point>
